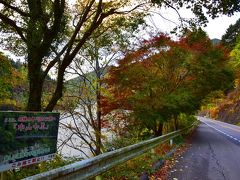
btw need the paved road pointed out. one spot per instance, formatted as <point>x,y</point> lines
<point>229,130</point>
<point>213,155</point>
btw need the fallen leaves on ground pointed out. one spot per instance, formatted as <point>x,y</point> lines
<point>162,173</point>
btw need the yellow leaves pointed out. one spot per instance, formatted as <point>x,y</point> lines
<point>8,102</point>
<point>6,79</point>
<point>106,4</point>
<point>82,2</point>
<point>106,93</point>
<point>235,53</point>
<point>131,164</point>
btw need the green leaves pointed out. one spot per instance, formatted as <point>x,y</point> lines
<point>203,8</point>
<point>229,39</point>
<point>235,53</point>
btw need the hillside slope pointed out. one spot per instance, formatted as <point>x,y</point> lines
<point>229,109</point>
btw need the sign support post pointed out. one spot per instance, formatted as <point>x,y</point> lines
<point>1,176</point>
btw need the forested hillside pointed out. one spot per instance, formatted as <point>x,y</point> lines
<point>14,88</point>
<point>13,84</point>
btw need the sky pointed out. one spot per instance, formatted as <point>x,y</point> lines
<point>215,28</point>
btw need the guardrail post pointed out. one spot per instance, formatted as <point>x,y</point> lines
<point>171,142</point>
<point>152,152</point>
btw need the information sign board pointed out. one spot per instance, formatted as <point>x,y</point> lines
<point>27,138</point>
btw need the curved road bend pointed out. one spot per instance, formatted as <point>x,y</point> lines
<point>213,155</point>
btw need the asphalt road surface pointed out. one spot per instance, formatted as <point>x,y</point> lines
<point>213,155</point>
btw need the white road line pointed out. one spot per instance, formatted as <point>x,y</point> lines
<point>235,139</point>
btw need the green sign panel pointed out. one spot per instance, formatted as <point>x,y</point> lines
<point>27,138</point>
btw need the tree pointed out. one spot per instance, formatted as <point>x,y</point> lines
<point>91,64</point>
<point>235,54</point>
<point>13,84</point>
<point>229,39</point>
<point>165,78</point>
<point>41,31</point>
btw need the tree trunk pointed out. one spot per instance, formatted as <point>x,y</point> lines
<point>58,91</point>
<point>99,113</point>
<point>41,33</point>
<point>175,123</point>
<point>158,130</point>
<point>35,94</point>
<point>35,83</point>
<point>99,126</point>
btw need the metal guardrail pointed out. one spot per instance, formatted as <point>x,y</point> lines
<point>94,166</point>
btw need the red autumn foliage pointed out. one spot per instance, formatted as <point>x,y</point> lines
<point>164,70</point>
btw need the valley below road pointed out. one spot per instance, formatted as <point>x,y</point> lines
<point>214,153</point>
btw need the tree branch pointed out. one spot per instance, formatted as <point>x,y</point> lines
<point>51,34</point>
<point>162,16</point>
<point>19,11</point>
<point>78,27</point>
<point>169,5</point>
<point>10,22</point>
<point>55,60</point>
<point>133,9</point>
